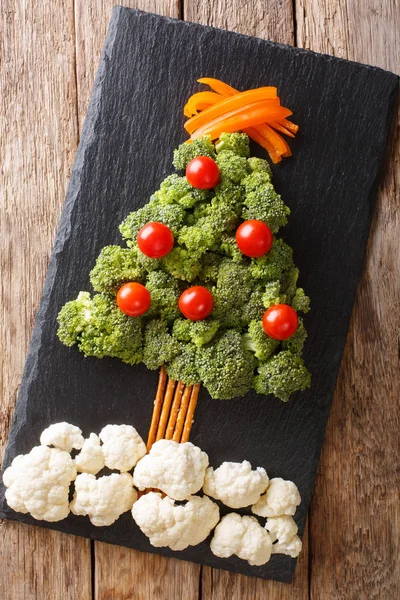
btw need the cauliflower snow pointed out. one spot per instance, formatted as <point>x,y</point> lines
<point>244,537</point>
<point>236,484</point>
<point>91,458</point>
<point>174,468</point>
<point>281,528</point>
<point>281,498</point>
<point>104,499</point>
<point>122,447</point>
<point>38,483</point>
<point>291,548</point>
<point>63,436</point>
<point>175,526</point>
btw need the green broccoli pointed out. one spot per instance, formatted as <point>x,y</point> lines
<point>256,180</point>
<point>272,295</point>
<point>282,375</point>
<point>300,301</point>
<point>273,265</point>
<point>147,263</point>
<point>199,333</point>
<point>165,294</point>
<point>264,204</point>
<point>232,167</point>
<point>183,367</point>
<point>238,143</point>
<point>211,263</point>
<point>256,340</point>
<point>115,266</point>
<point>225,366</point>
<point>100,328</point>
<point>199,238</point>
<point>254,307</point>
<point>232,292</point>
<point>159,345</point>
<point>180,263</point>
<point>296,342</point>
<point>172,215</point>
<point>230,194</point>
<point>177,190</point>
<point>229,247</point>
<point>187,151</point>
<point>259,164</point>
<point>220,216</point>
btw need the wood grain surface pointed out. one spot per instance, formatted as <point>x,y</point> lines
<point>48,57</point>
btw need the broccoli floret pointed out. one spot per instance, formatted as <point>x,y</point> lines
<point>259,164</point>
<point>230,248</point>
<point>165,294</point>
<point>199,333</point>
<point>171,215</point>
<point>211,263</point>
<point>256,180</point>
<point>238,143</point>
<point>159,345</point>
<point>186,152</point>
<point>177,190</point>
<point>259,342</point>
<point>221,216</point>
<point>296,342</point>
<point>183,367</point>
<point>300,301</point>
<point>115,266</point>
<point>225,366</point>
<point>231,194</point>
<point>100,328</point>
<point>282,375</point>
<point>271,266</point>
<point>147,263</point>
<point>231,293</point>
<point>254,308</point>
<point>199,238</point>
<point>180,263</point>
<point>232,167</point>
<point>264,204</point>
<point>272,295</point>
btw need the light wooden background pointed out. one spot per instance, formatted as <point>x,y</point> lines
<point>49,53</point>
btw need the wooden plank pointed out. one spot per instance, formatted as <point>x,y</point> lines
<point>355,518</point>
<point>121,572</point>
<point>275,22</point>
<point>38,139</point>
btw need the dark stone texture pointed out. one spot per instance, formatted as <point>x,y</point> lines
<point>148,69</point>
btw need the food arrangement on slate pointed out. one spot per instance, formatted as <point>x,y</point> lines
<point>203,289</point>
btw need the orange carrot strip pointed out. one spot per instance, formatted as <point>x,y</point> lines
<point>229,104</point>
<point>158,402</point>
<point>219,86</point>
<point>182,413</point>
<point>289,125</point>
<point>169,394</point>
<point>200,99</point>
<point>274,138</point>
<point>281,128</point>
<point>174,410</point>
<point>190,413</point>
<point>246,116</point>
<point>255,135</point>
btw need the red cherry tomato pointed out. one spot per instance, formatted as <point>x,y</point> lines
<point>280,322</point>
<point>196,303</point>
<point>202,172</point>
<point>155,240</point>
<point>133,299</point>
<point>254,238</point>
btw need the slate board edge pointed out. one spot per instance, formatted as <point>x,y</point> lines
<point>294,49</point>
<point>64,228</point>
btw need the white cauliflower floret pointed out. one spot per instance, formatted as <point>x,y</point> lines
<point>104,499</point>
<point>63,436</point>
<point>291,547</point>
<point>244,537</point>
<point>38,483</point>
<point>235,484</point>
<point>281,498</point>
<point>176,469</point>
<point>122,447</point>
<point>91,458</point>
<point>175,526</point>
<point>281,528</point>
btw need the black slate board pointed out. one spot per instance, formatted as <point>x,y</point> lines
<point>148,69</point>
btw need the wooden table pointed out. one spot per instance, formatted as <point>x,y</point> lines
<point>49,54</point>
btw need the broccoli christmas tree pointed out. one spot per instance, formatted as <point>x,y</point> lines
<point>239,345</point>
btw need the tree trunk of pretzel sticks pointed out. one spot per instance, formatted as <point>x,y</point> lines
<point>173,410</point>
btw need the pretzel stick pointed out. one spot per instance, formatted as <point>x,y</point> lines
<point>174,410</point>
<point>158,402</point>
<point>182,414</point>
<point>169,394</point>
<point>190,413</point>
